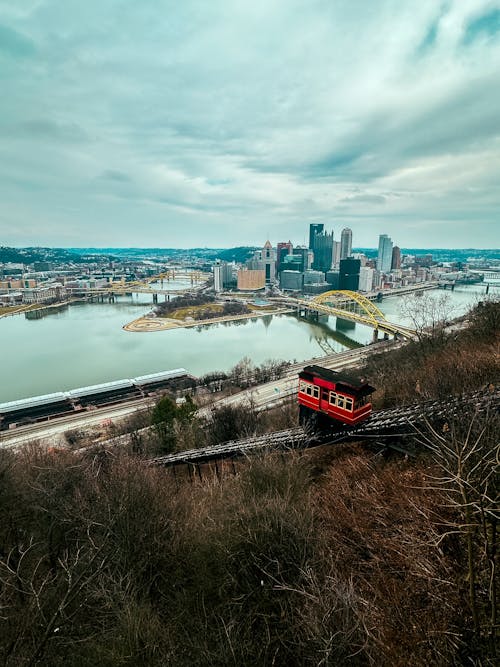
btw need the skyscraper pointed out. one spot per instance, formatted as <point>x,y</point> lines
<point>269,261</point>
<point>366,279</point>
<point>336,254</point>
<point>323,252</point>
<point>282,250</point>
<point>396,258</point>
<point>265,260</point>
<point>384,257</point>
<point>345,243</point>
<point>349,274</point>
<point>313,230</point>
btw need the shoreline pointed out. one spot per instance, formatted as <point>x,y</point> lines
<point>146,324</point>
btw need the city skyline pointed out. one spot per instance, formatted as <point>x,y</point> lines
<point>132,125</point>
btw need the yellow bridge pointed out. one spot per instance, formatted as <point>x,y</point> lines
<point>356,308</point>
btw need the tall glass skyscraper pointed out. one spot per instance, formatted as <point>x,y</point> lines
<point>323,252</point>
<point>384,257</point>
<point>313,230</point>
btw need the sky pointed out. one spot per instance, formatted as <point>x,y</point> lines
<point>180,124</point>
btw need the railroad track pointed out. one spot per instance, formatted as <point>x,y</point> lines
<point>388,424</point>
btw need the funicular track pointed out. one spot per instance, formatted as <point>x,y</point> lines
<point>389,426</point>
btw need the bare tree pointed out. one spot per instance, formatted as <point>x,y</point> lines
<point>468,456</point>
<point>429,315</point>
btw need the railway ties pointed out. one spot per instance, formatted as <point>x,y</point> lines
<point>389,425</point>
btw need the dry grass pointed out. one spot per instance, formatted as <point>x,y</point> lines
<point>207,310</point>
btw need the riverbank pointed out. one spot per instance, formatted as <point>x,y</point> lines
<point>32,307</point>
<point>148,324</point>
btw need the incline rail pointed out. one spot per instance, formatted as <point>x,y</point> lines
<point>393,422</point>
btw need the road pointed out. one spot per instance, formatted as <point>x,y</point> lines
<point>263,396</point>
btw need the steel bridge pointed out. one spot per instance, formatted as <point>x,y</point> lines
<point>354,307</point>
<point>198,280</point>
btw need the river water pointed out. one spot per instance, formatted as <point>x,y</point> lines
<point>85,344</point>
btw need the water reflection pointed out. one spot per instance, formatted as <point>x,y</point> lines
<point>85,344</point>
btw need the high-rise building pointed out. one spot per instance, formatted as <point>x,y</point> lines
<point>384,257</point>
<point>218,286</point>
<point>313,230</point>
<point>264,260</point>
<point>366,276</point>
<point>349,274</point>
<point>336,254</point>
<point>304,253</point>
<point>269,260</point>
<point>396,259</point>
<point>292,262</point>
<point>223,276</point>
<point>282,250</point>
<point>323,252</point>
<point>345,243</point>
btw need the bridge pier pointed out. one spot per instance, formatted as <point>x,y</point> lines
<point>375,335</point>
<point>386,336</point>
<point>155,298</point>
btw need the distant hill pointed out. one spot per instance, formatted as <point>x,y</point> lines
<point>237,254</point>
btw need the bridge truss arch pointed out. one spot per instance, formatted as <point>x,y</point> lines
<point>355,307</point>
<point>369,309</point>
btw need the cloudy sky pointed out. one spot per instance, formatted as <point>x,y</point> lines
<point>224,122</point>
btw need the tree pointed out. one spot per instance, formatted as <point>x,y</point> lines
<point>468,455</point>
<point>429,316</point>
<point>163,417</point>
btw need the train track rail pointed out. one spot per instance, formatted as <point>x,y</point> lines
<point>391,424</point>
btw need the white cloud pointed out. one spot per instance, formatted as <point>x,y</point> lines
<point>219,122</point>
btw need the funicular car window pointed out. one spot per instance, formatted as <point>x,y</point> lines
<point>360,402</point>
<point>302,387</point>
<point>340,401</point>
<point>348,404</point>
<point>316,392</point>
<point>333,397</point>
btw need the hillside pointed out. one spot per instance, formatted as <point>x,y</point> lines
<point>335,556</point>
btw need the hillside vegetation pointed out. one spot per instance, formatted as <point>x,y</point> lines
<point>338,556</point>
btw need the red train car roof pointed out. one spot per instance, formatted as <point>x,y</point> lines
<point>342,381</point>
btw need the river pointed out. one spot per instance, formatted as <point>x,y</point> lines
<point>85,344</point>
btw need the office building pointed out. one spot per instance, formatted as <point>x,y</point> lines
<point>396,259</point>
<point>313,230</point>
<point>282,250</point>
<point>292,263</point>
<point>251,279</point>
<point>332,278</point>
<point>305,256</point>
<point>223,276</point>
<point>264,260</point>
<point>291,280</point>
<point>349,274</point>
<point>336,254</point>
<point>345,243</point>
<point>384,257</point>
<point>323,252</point>
<point>312,277</point>
<point>366,276</point>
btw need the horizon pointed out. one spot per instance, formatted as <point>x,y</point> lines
<point>205,125</point>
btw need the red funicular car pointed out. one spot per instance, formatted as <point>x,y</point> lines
<point>333,395</point>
